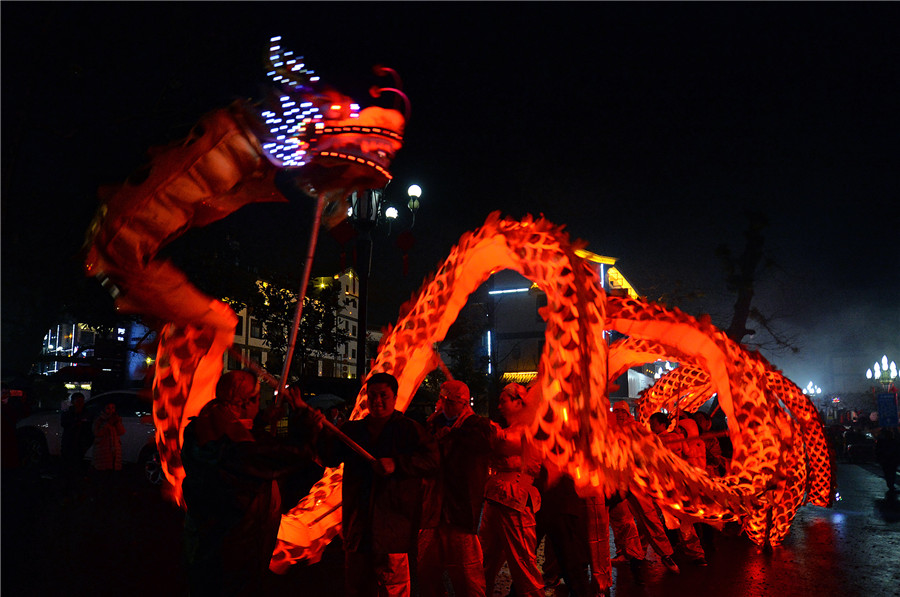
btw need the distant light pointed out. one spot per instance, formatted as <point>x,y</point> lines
<point>391,212</point>
<point>509,291</point>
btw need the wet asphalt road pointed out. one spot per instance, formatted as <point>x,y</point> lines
<point>125,539</point>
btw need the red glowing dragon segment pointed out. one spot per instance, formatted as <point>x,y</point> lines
<point>799,444</point>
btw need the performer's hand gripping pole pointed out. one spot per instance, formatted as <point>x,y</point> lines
<point>273,381</point>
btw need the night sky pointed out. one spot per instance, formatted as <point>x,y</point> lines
<point>647,129</point>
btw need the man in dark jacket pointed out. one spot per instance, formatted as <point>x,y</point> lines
<point>381,498</point>
<point>230,489</point>
<point>448,538</point>
<point>76,435</point>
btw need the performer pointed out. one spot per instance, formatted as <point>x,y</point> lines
<point>448,539</point>
<point>577,532</point>
<point>230,489</point>
<point>382,500</point>
<point>511,500</point>
<point>642,509</point>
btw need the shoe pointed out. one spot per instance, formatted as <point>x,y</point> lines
<point>670,564</point>
<point>637,570</point>
<point>699,562</point>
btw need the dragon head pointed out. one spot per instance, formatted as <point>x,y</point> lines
<point>321,137</point>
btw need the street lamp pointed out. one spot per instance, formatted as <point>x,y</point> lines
<point>414,191</point>
<point>812,389</point>
<point>883,373</point>
<point>367,209</point>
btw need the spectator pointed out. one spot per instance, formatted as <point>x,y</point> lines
<point>230,489</point>
<point>108,431</point>
<point>14,409</point>
<point>382,499</point>
<point>77,436</point>
<point>887,451</point>
<point>448,539</point>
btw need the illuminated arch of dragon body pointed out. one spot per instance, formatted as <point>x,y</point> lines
<point>780,456</point>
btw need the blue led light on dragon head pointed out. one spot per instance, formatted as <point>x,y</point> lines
<point>306,122</point>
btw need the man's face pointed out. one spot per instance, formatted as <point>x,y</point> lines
<point>622,416</point>
<point>251,406</point>
<point>452,405</point>
<point>381,400</point>
<point>509,405</point>
<point>247,396</point>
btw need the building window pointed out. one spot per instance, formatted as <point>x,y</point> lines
<point>255,328</point>
<point>233,362</point>
<point>256,356</point>
<point>353,353</point>
<point>354,330</point>
<point>239,328</point>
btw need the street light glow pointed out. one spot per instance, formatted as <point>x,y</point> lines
<point>884,372</point>
<point>391,212</point>
<point>414,191</point>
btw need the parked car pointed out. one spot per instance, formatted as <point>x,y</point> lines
<point>40,435</point>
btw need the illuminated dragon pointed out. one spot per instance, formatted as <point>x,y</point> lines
<point>780,457</point>
<point>316,141</point>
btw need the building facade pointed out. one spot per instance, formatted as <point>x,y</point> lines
<point>250,344</point>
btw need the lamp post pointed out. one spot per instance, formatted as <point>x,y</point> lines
<point>813,391</point>
<point>414,191</point>
<point>883,373</point>
<point>367,209</point>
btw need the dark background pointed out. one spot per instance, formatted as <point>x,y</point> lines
<point>647,129</point>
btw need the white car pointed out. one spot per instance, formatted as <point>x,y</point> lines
<point>40,435</point>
